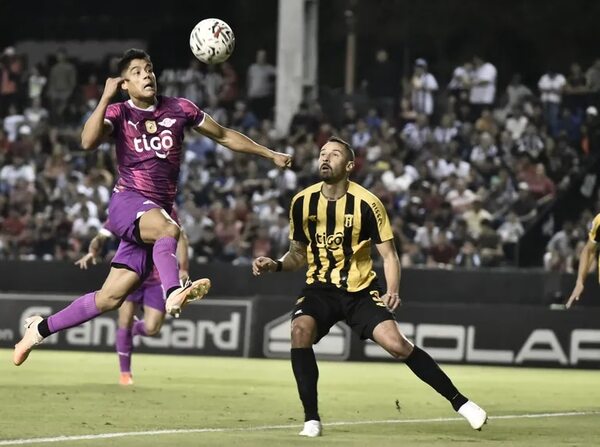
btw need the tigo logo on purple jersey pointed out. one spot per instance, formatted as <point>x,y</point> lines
<point>160,143</point>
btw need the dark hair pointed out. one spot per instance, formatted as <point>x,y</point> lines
<point>349,150</point>
<point>129,55</point>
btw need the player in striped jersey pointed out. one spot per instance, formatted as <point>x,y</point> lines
<point>333,225</point>
<point>586,259</point>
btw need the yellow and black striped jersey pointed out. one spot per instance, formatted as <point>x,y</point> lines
<point>594,236</point>
<point>338,234</point>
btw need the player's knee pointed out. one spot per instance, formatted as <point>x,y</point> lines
<point>107,299</point>
<point>400,348</point>
<point>169,229</point>
<point>152,328</point>
<point>302,335</point>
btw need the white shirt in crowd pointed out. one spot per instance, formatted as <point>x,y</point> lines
<point>82,227</point>
<point>485,93</point>
<point>551,87</point>
<point>260,82</point>
<point>10,174</point>
<point>422,96</point>
<point>401,182</point>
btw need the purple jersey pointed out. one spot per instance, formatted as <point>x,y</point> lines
<point>148,145</point>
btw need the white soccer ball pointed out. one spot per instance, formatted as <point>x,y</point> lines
<point>212,41</point>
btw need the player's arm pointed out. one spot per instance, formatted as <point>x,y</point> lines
<point>94,249</point>
<point>183,257</point>
<point>294,259</point>
<point>585,261</point>
<point>238,142</point>
<point>391,271</point>
<point>95,129</point>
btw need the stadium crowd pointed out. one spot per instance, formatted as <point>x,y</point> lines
<point>463,168</point>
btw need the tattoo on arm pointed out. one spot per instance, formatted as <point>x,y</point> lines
<point>295,258</point>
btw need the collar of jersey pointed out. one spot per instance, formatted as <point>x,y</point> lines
<point>152,108</point>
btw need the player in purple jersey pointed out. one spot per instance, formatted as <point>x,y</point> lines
<point>150,295</point>
<point>148,134</point>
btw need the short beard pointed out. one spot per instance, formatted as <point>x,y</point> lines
<point>330,178</point>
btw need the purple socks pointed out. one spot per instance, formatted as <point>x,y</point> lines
<point>138,328</point>
<point>79,311</point>
<point>164,255</point>
<point>124,347</point>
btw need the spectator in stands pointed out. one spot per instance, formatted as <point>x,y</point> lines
<point>482,86</point>
<point>382,83</point>
<point>551,86</point>
<point>423,84</point>
<point>540,186</point>
<point>15,171</point>
<point>11,71</point>
<point>490,245</point>
<point>525,207</point>
<point>576,90</point>
<point>230,91</point>
<point>516,123</point>
<point>560,250</point>
<point>442,252</point>
<point>62,81</point>
<point>468,256</point>
<point>261,86</point>
<point>516,93</point>
<point>190,81</point>
<point>475,216</point>
<point>13,120</point>
<point>461,197</point>
<point>36,82</point>
<point>510,232</point>
<point>460,84</point>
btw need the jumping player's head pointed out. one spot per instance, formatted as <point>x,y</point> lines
<point>135,67</point>
<point>336,160</point>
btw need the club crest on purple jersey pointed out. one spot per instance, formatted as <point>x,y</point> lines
<point>151,126</point>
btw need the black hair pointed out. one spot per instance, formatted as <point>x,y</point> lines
<point>129,55</point>
<point>349,150</point>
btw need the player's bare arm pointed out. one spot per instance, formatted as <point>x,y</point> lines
<point>391,271</point>
<point>585,261</point>
<point>95,129</point>
<point>294,259</point>
<point>238,142</point>
<point>96,245</point>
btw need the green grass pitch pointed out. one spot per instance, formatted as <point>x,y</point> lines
<point>253,402</point>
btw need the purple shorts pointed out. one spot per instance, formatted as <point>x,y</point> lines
<point>124,210</point>
<point>149,294</point>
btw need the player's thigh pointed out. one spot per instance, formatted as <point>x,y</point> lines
<point>315,312</point>
<point>387,335</point>
<point>119,283</point>
<point>153,320</point>
<point>365,310</point>
<point>155,224</point>
<point>126,314</point>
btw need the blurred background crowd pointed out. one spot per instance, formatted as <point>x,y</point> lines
<point>464,164</point>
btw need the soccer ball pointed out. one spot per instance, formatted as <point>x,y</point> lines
<point>212,41</point>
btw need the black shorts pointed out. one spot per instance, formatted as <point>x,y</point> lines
<point>327,304</point>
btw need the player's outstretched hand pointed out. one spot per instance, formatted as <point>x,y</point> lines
<point>282,160</point>
<point>112,86</point>
<point>263,264</point>
<point>575,294</point>
<point>391,301</point>
<point>85,261</point>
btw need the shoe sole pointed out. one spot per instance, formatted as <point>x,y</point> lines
<point>196,291</point>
